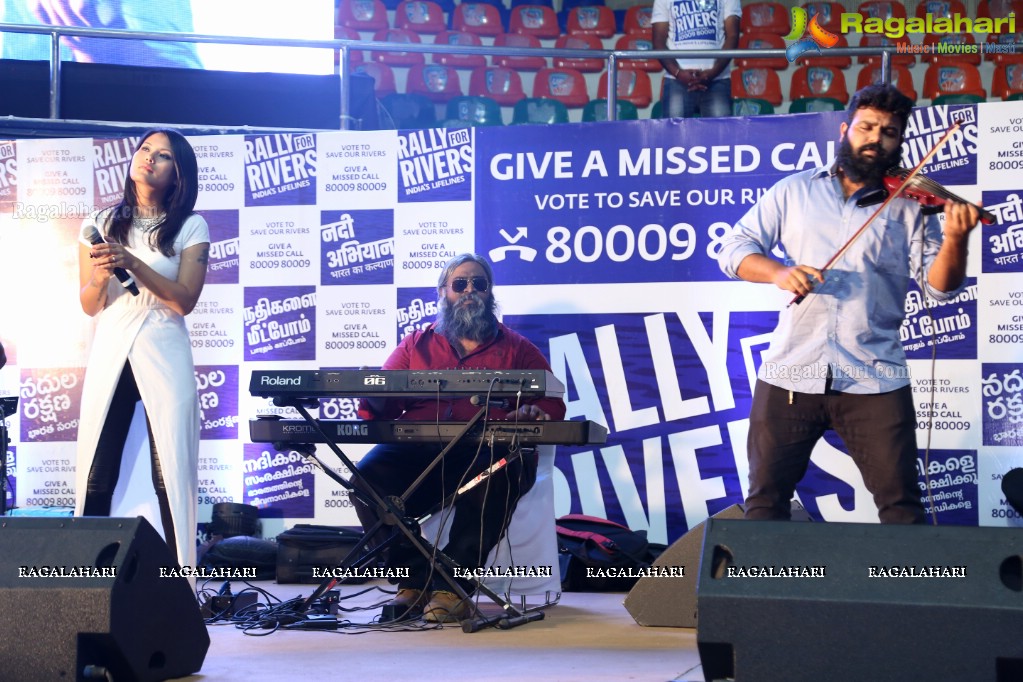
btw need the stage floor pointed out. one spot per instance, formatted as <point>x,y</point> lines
<point>586,636</point>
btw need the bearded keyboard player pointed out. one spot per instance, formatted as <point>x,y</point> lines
<point>836,360</point>
<point>466,335</point>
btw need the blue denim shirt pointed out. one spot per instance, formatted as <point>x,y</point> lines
<point>849,325</point>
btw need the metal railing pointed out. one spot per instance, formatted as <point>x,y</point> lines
<point>344,47</point>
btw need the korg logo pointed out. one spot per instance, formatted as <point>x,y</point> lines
<point>268,380</point>
<point>352,429</point>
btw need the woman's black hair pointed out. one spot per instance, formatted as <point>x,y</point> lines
<point>178,204</point>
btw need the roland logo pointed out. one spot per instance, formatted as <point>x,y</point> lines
<point>352,429</point>
<point>277,380</point>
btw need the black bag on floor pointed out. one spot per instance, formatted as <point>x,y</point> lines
<point>306,546</point>
<point>594,553</point>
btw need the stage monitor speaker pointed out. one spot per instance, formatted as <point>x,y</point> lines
<point>849,602</point>
<point>118,619</point>
<point>671,601</point>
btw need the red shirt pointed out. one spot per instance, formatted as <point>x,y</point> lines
<point>427,349</point>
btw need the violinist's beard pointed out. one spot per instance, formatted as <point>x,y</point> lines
<point>860,169</point>
<point>471,317</point>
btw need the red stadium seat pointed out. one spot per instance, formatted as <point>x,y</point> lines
<point>882,9</point>
<point>825,58</point>
<point>633,86</point>
<point>422,16</point>
<point>480,18</point>
<point>501,84</point>
<point>901,79</point>
<point>818,81</point>
<point>757,83</point>
<point>999,9</point>
<point>762,41</point>
<point>874,40</point>
<point>766,17</point>
<point>397,35</point>
<point>437,82</point>
<point>518,63</point>
<point>345,33</point>
<point>383,77</point>
<point>568,86</point>
<point>593,20</point>
<point>362,15</point>
<point>637,21</point>
<point>940,9</point>
<point>459,61</point>
<point>830,14</point>
<point>934,56</point>
<point>580,42</point>
<point>1007,80</point>
<point>950,79</point>
<point>536,20</point>
<point>636,42</point>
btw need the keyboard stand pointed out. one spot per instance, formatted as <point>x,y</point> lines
<point>391,513</point>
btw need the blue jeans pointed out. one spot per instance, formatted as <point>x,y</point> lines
<point>679,102</point>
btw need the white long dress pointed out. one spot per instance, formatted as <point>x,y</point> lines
<point>154,338</point>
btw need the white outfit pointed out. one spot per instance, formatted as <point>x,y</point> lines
<point>154,339</point>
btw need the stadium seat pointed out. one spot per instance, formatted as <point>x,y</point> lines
<point>501,84</point>
<point>518,63</point>
<point>758,83</point>
<point>825,58</point>
<point>480,18</point>
<point>830,14</point>
<point>596,110</point>
<point>398,35</point>
<point>655,110</point>
<point>750,106</point>
<point>818,81</point>
<point>943,80</point>
<point>933,56</point>
<point>766,17</point>
<point>580,42</point>
<point>874,40</point>
<point>383,77</point>
<point>637,21</point>
<point>633,86</point>
<point>410,110</point>
<point>516,3</point>
<point>362,15</point>
<point>592,20</point>
<point>345,33</point>
<point>422,16</point>
<point>536,20</point>
<point>434,81</point>
<point>901,79</point>
<point>477,110</point>
<point>459,61</point>
<point>999,9</point>
<point>568,86</point>
<point>568,5</point>
<point>1013,54</point>
<point>805,104</point>
<point>1007,80</point>
<point>636,42</point>
<point>539,110</point>
<point>940,9</point>
<point>882,9</point>
<point>762,41</point>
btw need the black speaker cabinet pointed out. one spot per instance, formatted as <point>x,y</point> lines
<point>85,596</point>
<point>852,602</point>
<point>658,601</point>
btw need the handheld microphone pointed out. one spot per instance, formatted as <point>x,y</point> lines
<point>126,280</point>
<point>481,400</point>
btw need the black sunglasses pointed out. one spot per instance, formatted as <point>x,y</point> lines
<point>459,284</point>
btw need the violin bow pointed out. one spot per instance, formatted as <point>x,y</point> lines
<point>905,183</point>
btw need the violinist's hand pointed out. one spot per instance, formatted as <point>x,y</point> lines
<point>800,279</point>
<point>960,218</point>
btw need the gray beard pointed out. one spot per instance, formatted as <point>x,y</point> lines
<point>474,321</point>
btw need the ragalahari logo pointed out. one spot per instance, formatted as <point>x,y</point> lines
<point>815,37</point>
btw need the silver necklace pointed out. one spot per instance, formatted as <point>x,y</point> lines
<point>146,224</point>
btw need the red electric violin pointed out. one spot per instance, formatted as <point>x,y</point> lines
<point>931,195</point>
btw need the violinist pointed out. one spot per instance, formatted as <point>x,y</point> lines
<point>836,360</point>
